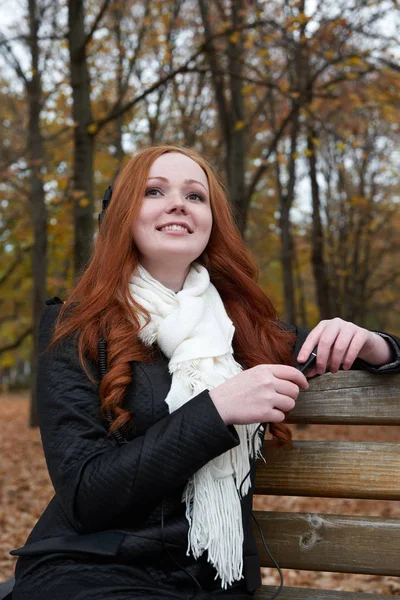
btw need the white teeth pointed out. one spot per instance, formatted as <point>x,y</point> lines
<point>173,228</point>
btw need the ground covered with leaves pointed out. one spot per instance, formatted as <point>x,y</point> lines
<point>26,489</point>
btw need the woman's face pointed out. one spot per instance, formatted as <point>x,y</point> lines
<point>175,220</point>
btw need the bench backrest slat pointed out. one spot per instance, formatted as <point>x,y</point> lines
<point>344,544</point>
<point>331,469</point>
<point>354,397</point>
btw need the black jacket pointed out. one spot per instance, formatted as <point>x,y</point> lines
<point>110,499</point>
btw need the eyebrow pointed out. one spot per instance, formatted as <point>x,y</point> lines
<point>185,181</point>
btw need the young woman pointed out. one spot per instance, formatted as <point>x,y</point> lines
<point>150,462</point>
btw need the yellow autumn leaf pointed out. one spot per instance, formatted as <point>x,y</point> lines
<point>92,128</point>
<point>302,18</point>
<point>341,146</point>
<point>83,202</point>
<point>234,37</point>
<point>281,159</point>
<point>330,54</point>
<point>77,194</point>
<point>308,152</point>
<point>295,155</point>
<point>247,89</point>
<point>7,360</point>
<point>354,60</point>
<point>239,125</point>
<point>224,26</point>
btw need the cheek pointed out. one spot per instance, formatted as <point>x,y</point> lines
<point>146,218</point>
<point>206,221</point>
<point>209,224</point>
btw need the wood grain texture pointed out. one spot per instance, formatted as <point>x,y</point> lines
<point>266,592</point>
<point>331,469</point>
<point>349,397</point>
<point>339,543</point>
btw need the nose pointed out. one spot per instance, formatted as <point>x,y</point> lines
<point>177,204</point>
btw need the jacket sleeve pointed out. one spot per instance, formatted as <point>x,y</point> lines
<point>392,367</point>
<point>96,480</point>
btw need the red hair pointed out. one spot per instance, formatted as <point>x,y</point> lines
<point>100,305</point>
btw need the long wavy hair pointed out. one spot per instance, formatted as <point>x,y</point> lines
<point>100,305</point>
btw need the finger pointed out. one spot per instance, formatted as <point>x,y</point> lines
<point>287,388</point>
<point>289,373</point>
<point>354,349</point>
<point>311,341</point>
<point>339,349</point>
<point>312,373</point>
<point>325,344</point>
<point>276,416</point>
<point>284,403</point>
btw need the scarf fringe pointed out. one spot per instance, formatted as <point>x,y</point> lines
<point>190,373</point>
<point>222,525</point>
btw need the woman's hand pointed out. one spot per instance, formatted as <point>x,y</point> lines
<point>261,394</point>
<point>340,343</point>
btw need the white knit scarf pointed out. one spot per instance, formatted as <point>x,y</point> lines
<point>192,329</point>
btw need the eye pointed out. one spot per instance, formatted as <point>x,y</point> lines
<point>196,196</point>
<point>149,191</point>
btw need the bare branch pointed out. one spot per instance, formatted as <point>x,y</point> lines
<point>12,60</point>
<point>17,342</point>
<point>10,270</point>
<point>96,22</point>
<point>117,110</point>
<point>272,147</point>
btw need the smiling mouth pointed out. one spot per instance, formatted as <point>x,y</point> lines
<point>173,229</point>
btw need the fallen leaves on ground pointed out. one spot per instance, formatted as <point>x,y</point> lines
<point>26,489</point>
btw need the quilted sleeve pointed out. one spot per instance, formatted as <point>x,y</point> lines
<point>96,480</point>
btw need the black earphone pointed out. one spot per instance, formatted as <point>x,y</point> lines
<point>310,362</point>
<point>106,201</point>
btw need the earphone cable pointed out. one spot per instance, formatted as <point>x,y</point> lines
<point>267,550</point>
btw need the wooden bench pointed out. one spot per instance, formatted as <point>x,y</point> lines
<point>335,469</point>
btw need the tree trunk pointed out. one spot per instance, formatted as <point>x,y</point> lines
<point>37,199</point>
<point>119,151</point>
<point>286,198</point>
<point>301,313</point>
<point>83,138</point>
<point>319,270</point>
<point>230,113</point>
<point>235,145</point>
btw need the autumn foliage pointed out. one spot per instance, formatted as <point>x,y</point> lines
<point>295,104</point>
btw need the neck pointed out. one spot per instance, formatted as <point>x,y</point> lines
<point>171,276</point>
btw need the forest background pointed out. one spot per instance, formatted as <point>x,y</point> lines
<point>295,103</point>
